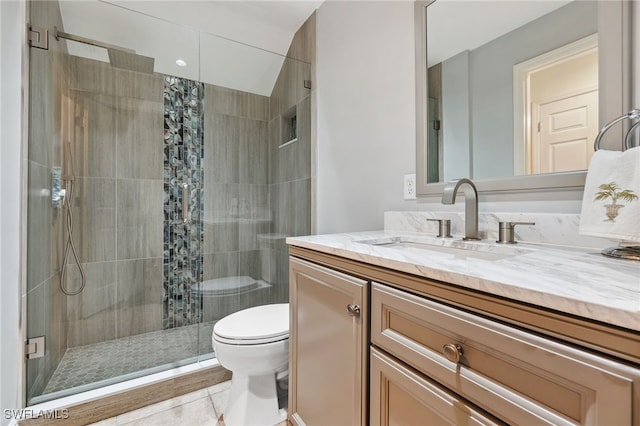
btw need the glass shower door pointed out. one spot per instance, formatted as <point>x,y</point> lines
<point>100,273</point>
<point>181,183</point>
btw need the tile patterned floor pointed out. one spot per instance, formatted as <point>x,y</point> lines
<point>200,408</point>
<point>105,360</point>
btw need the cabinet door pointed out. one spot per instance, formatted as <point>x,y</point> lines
<point>401,397</point>
<point>328,348</point>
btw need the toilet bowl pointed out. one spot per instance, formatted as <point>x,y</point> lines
<point>254,345</point>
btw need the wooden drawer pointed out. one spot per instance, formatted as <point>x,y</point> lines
<point>519,377</point>
<point>399,396</point>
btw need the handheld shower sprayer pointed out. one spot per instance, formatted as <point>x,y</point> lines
<point>70,247</point>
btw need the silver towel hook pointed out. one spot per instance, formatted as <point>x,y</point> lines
<point>634,114</point>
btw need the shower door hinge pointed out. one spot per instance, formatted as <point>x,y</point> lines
<point>34,347</point>
<point>38,37</point>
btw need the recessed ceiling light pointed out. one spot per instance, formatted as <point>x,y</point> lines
<point>181,63</point>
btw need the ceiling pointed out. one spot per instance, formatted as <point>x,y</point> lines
<point>237,44</point>
<point>459,25</point>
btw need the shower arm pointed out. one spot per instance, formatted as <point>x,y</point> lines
<point>61,34</point>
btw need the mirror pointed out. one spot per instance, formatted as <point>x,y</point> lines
<point>482,72</point>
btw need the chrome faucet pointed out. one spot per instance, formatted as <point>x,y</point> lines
<point>470,204</point>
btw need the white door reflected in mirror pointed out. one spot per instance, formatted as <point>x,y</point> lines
<point>556,109</point>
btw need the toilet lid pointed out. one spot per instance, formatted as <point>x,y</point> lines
<point>260,324</point>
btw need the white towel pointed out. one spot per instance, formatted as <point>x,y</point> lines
<point>611,202</point>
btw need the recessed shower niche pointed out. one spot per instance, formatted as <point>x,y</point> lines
<point>289,127</point>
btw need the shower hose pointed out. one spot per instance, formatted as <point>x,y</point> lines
<point>70,246</point>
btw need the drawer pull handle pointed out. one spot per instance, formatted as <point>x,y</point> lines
<point>452,352</point>
<point>353,310</point>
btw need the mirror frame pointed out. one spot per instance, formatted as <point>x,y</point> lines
<point>614,99</point>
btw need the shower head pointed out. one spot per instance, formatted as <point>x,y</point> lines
<point>119,57</point>
<point>130,61</point>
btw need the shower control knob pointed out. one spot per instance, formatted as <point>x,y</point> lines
<point>452,352</point>
<point>353,310</point>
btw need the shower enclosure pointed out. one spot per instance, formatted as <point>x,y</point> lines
<point>159,195</point>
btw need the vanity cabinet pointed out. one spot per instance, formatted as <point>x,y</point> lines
<point>328,367</point>
<point>519,377</point>
<point>441,354</point>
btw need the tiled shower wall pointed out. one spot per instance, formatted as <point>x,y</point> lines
<point>258,193</point>
<point>290,165</point>
<point>117,135</point>
<point>252,190</point>
<point>236,187</point>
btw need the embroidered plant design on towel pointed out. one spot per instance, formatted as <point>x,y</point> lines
<point>612,190</point>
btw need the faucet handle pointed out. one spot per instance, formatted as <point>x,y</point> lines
<point>506,233</point>
<point>444,227</point>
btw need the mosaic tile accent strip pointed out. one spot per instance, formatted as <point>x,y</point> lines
<point>183,163</point>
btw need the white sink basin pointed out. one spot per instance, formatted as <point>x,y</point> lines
<point>449,248</point>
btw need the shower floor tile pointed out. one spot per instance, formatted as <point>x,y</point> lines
<point>98,362</point>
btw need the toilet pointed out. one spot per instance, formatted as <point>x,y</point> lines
<point>254,345</point>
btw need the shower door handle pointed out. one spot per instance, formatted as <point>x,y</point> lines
<point>185,203</point>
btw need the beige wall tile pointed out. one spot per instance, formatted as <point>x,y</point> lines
<point>94,219</point>
<point>222,100</point>
<point>139,218</point>
<point>140,140</point>
<point>139,296</point>
<point>91,76</point>
<point>92,314</point>
<point>92,136</point>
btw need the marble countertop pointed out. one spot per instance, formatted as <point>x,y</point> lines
<point>573,280</point>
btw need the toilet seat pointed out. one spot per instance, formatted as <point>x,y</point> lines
<point>253,326</point>
<point>226,286</point>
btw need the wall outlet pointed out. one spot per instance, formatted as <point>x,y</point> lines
<point>410,187</point>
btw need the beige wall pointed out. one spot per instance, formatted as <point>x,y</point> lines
<point>365,112</point>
